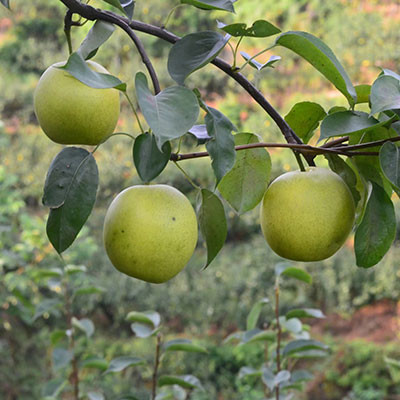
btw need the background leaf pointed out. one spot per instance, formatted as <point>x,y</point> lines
<point>184,381</point>
<point>85,325</point>
<point>61,358</point>
<point>120,363</point>
<point>254,313</point>
<point>149,160</point>
<point>319,55</point>
<point>183,345</point>
<point>221,147</point>
<point>78,193</point>
<point>297,273</point>
<point>126,6</point>
<point>212,223</point>
<point>377,230</point>
<point>300,345</point>
<point>193,52</point>
<point>305,313</point>
<point>243,187</point>
<point>171,113</point>
<point>304,118</point>
<point>260,28</point>
<point>222,5</point>
<point>151,318</point>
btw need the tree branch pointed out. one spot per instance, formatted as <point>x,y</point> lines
<point>91,13</point>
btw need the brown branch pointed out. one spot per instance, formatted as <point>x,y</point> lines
<point>333,143</point>
<point>279,334</point>
<point>156,366</point>
<point>91,13</point>
<point>304,148</point>
<point>369,144</point>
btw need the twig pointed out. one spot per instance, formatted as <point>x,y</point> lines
<point>279,334</point>
<point>156,365</point>
<point>92,14</point>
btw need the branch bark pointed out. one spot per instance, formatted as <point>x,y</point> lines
<point>128,26</point>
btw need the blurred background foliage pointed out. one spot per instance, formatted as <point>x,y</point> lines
<point>203,304</point>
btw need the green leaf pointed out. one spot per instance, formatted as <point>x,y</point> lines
<point>171,113</point>
<point>293,325</point>
<point>260,28</point>
<point>305,313</point>
<point>61,358</point>
<point>149,160</point>
<point>389,158</point>
<point>84,324</point>
<point>245,372</point>
<point>296,273</point>
<point>184,381</point>
<point>222,5</point>
<point>54,388</point>
<point>200,132</point>
<point>75,269</point>
<point>88,290</point>
<point>143,331</point>
<point>70,191</point>
<point>256,335</point>
<point>377,230</point>
<point>126,6</point>
<point>254,313</point>
<point>348,123</point>
<point>319,55</point>
<point>304,118</point>
<point>79,69</point>
<point>57,336</point>
<point>6,3</point>
<point>392,362</point>
<point>95,363</point>
<point>151,318</point>
<point>309,354</point>
<point>183,345</point>
<point>363,93</point>
<point>193,52</point>
<point>45,274</point>
<point>296,346</point>
<point>281,377</point>
<point>212,223</point>
<point>95,396</point>
<point>120,363</point>
<point>385,94</point>
<point>221,147</point>
<point>45,306</point>
<point>268,378</point>
<point>243,187</point>
<point>101,31</point>
<point>339,166</point>
<point>259,66</point>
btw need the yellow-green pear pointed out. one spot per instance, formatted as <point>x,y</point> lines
<point>70,112</point>
<point>150,232</point>
<point>307,216</point>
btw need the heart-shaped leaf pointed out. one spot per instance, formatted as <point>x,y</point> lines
<point>304,119</point>
<point>259,66</point>
<point>221,147</point>
<point>222,5</point>
<point>245,184</point>
<point>171,113</point>
<point>193,52</point>
<point>80,70</point>
<point>319,55</point>
<point>212,223</point>
<point>70,191</point>
<point>98,34</point>
<point>377,230</point>
<point>348,123</point>
<point>148,159</point>
<point>260,28</point>
<point>385,94</point>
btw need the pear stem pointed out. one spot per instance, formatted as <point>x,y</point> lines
<point>299,161</point>
<point>134,112</point>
